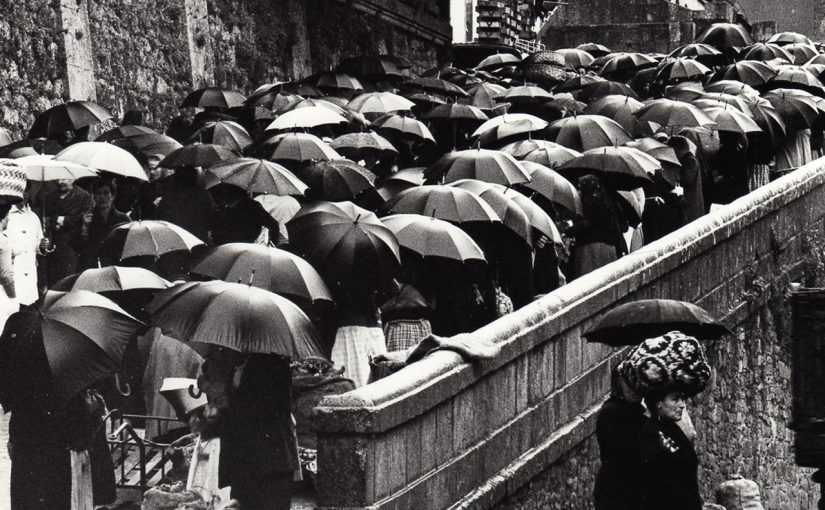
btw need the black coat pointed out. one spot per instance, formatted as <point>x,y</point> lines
<point>667,468</point>
<point>617,431</point>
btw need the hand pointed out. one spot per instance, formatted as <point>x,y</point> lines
<point>87,217</point>
<point>46,245</point>
<point>678,191</point>
<point>657,200</point>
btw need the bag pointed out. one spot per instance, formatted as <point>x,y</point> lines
<point>739,494</point>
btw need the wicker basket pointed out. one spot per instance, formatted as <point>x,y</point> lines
<point>546,68</point>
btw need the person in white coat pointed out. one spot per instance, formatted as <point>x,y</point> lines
<point>25,232</point>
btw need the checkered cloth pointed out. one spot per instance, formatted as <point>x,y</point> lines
<point>352,350</point>
<point>12,181</point>
<point>403,334</point>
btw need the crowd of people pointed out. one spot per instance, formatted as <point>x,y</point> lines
<point>464,194</point>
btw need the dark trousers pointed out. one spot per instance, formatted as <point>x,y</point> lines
<point>273,492</point>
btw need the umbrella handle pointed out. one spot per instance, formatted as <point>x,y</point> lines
<point>119,387</point>
<point>194,392</point>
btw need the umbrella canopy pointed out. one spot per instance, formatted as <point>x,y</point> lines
<point>198,154</point>
<point>539,219</point>
<point>673,114</point>
<point>765,52</point>
<point>498,61</point>
<point>720,100</point>
<point>801,52</point>
<point>554,187</point>
<point>584,132</point>
<point>577,82</point>
<point>482,164</point>
<point>437,86</point>
<point>796,78</point>
<point>620,108</point>
<point>431,237</point>
<point>797,108</point>
<point>103,156</point>
<point>443,202</point>
<point>257,176</point>
<point>282,209</point>
<point>73,340</point>
<point>681,69</point>
<point>375,67</point>
<point>125,132</point>
<point>768,119</point>
<point>512,216</point>
<point>346,244</point>
<point>704,53</point>
<point>508,125</point>
<point>750,72</point>
<point>148,145</point>
<point>789,38</point>
<point>732,120</point>
<point>69,116</point>
<point>575,58</point>
<point>338,179</point>
<point>234,316</point>
<point>631,323</point>
<point>521,148</point>
<point>552,157</point>
<point>213,97</point>
<point>265,267</point>
<point>623,168</point>
<point>483,95</point>
<point>525,94</point>
<point>42,167</point>
<point>725,35</point>
<point>306,118</point>
<point>405,126</point>
<point>112,279</point>
<point>734,87</point>
<point>457,112</point>
<point>337,80</point>
<point>147,238</point>
<point>597,50</point>
<point>605,88</point>
<point>301,147</point>
<point>380,103</point>
<point>664,154</point>
<point>227,133</point>
<point>624,62</point>
<point>356,144</point>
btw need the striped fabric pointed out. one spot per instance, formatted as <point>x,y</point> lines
<point>403,334</point>
<point>12,181</point>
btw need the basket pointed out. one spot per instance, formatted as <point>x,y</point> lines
<point>546,68</point>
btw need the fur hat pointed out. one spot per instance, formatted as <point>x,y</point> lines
<point>671,362</point>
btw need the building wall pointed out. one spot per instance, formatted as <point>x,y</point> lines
<point>516,431</point>
<point>804,16</point>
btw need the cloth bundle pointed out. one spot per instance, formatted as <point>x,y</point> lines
<point>673,361</point>
<point>739,494</point>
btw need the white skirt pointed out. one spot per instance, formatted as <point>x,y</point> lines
<point>352,350</point>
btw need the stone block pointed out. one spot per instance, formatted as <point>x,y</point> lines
<point>390,462</point>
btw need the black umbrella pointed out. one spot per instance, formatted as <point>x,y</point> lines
<point>69,116</point>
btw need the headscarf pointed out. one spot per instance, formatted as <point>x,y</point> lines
<point>671,362</point>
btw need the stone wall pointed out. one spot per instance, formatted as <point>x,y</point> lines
<point>516,431</point>
<point>804,16</point>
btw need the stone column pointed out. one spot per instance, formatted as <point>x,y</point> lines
<point>201,54</point>
<point>80,70</point>
<point>300,61</point>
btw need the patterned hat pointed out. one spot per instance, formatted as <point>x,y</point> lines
<point>673,361</point>
<point>12,181</point>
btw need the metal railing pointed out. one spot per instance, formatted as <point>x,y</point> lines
<point>528,46</point>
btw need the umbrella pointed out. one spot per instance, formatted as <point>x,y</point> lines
<point>147,238</point>
<point>380,103</point>
<point>797,108</point>
<point>282,209</point>
<point>734,87</point>
<point>405,126</point>
<point>575,58</point>
<point>685,91</point>
<point>148,145</point>
<point>425,101</point>
<point>103,156</point>
<point>227,133</point>
<point>512,216</point>
<point>301,147</point>
<point>584,132</point>
<point>720,100</point>
<point>431,237</point>
<point>620,108</point>
<point>521,148</point>
<point>346,244</point>
<point>750,72</point>
<point>783,38</point>
<point>336,80</point>
<point>801,52</point>
<point>265,267</point>
<point>358,143</point>
<point>483,95</point>
<point>768,119</point>
<point>725,35</point>
<point>338,179</point>
<point>525,94</point>
<point>765,52</point>
<point>605,88</point>
<point>234,316</point>
<point>796,78</point>
<point>482,164</point>
<point>213,97</point>
<point>126,131</point>
<point>673,114</point>
<point>498,61</point>
<point>509,124</point>
<point>732,120</point>
<point>623,168</point>
<point>371,66</point>
<point>306,118</point>
<point>664,154</point>
<point>631,323</point>
<point>198,154</point>
<point>551,156</point>
<point>457,112</point>
<point>42,167</point>
<point>539,219</point>
<point>257,176</point>
<point>681,69</point>
<point>577,82</point>
<point>443,202</point>
<point>129,287</point>
<point>554,187</point>
<point>73,340</point>
<point>626,62</point>
<point>69,116</point>
<point>704,53</point>
<point>437,86</point>
<point>597,50</point>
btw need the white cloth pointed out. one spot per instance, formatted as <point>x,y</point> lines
<point>352,350</point>
<point>203,472</point>
<point>81,472</point>
<point>8,305</point>
<point>25,232</point>
<point>795,152</point>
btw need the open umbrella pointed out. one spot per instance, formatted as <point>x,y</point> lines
<point>625,62</point>
<point>431,237</point>
<point>437,86</point>
<point>623,168</point>
<point>69,116</point>
<point>801,52</point>
<point>301,147</point>
<point>198,154</point>
<point>521,148</point>
<point>595,49</point>
<point>359,145</point>
<point>584,132</point>
<point>125,131</point>
<point>681,69</point>
<point>768,119</point>
<point>631,323</point>
<point>554,187</point>
<point>103,156</point>
<point>664,154</point>
<point>498,61</point>
<point>796,107</point>
<point>725,35</point>
<point>62,347</point>
<point>337,179</point>
<point>751,72</point>
<point>129,287</point>
<point>539,219</point>
<point>42,167</point>
<point>483,95</point>
<point>673,114</point>
<point>721,100</point>
<point>619,108</point>
<point>405,126</point>
<point>783,38</point>
<point>732,120</point>
<point>508,125</point>
<point>575,58</point>
<point>306,118</point>
<point>213,97</point>
<point>149,144</point>
<point>525,94</point>
<point>765,52</point>
<point>282,209</point>
<point>257,176</point>
<point>577,82</point>
<point>796,78</point>
<point>704,53</point>
<point>599,89</point>
<point>443,202</point>
<point>269,268</point>
<point>551,156</point>
<point>512,216</point>
<point>482,164</point>
<point>227,133</point>
<point>457,112</point>
<point>337,80</point>
<point>374,67</point>
<point>734,87</point>
<point>346,244</point>
<point>234,316</point>
<point>147,238</point>
<point>380,103</point>
<point>399,181</point>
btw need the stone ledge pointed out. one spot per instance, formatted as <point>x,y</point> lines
<point>406,18</point>
<point>440,376</point>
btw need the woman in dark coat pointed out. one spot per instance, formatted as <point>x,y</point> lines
<point>97,224</point>
<point>617,429</point>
